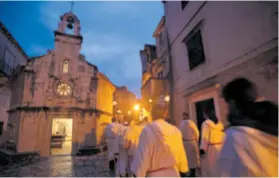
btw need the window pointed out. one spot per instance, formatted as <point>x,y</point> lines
<point>65,66</point>
<point>184,4</point>
<point>1,127</point>
<point>148,58</point>
<point>195,49</point>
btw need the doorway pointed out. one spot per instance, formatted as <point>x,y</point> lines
<point>201,106</point>
<point>61,136</point>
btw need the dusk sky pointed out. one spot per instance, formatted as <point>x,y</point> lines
<point>113,32</point>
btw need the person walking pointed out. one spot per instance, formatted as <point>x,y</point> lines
<point>110,135</point>
<point>122,163</point>
<point>251,146</point>
<point>190,135</point>
<point>131,140</point>
<point>160,152</point>
<point>212,138</point>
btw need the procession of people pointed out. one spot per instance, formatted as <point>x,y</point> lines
<point>248,147</point>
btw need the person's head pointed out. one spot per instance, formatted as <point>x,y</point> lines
<point>240,94</point>
<point>113,120</point>
<point>185,116</point>
<point>145,119</point>
<point>158,111</point>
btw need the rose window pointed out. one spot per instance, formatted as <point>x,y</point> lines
<point>64,89</point>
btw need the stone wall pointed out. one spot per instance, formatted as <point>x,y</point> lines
<point>251,69</point>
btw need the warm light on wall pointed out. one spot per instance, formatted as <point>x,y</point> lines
<point>136,107</point>
<point>167,98</point>
<point>150,100</point>
<point>118,111</point>
<point>129,113</point>
<point>114,103</point>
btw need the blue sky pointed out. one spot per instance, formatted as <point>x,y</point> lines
<point>113,32</point>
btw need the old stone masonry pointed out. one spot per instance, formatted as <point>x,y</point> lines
<point>62,166</point>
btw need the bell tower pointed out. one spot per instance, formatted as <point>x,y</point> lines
<point>69,25</point>
<point>68,41</point>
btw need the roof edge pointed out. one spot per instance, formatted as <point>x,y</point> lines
<point>159,26</point>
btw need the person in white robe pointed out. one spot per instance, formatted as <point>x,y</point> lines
<point>160,152</point>
<point>131,140</point>
<point>122,163</point>
<point>251,145</point>
<point>110,135</point>
<point>212,139</point>
<point>190,134</point>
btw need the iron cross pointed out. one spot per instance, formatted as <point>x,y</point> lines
<point>72,4</point>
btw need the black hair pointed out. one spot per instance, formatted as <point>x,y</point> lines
<point>243,92</point>
<point>240,90</point>
<point>267,113</point>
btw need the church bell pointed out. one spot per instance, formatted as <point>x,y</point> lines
<point>70,25</point>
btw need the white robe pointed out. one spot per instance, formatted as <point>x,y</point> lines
<point>190,134</point>
<point>110,133</point>
<point>122,163</point>
<point>248,152</point>
<point>130,142</point>
<point>160,152</point>
<point>211,142</point>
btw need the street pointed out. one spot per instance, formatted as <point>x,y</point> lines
<point>62,166</point>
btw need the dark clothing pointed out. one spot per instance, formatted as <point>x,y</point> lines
<point>112,164</point>
<point>183,174</point>
<point>192,173</point>
<point>262,116</point>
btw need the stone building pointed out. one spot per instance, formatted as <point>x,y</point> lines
<point>156,67</point>
<point>216,42</point>
<point>60,102</point>
<point>154,80</point>
<point>11,56</point>
<point>124,102</point>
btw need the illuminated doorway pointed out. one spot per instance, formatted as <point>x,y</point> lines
<point>61,136</point>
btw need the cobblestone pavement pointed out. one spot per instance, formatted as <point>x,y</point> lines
<point>62,166</point>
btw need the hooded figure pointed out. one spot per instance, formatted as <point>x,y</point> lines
<point>251,146</point>
<point>131,140</point>
<point>122,163</point>
<point>211,143</point>
<point>110,135</point>
<point>190,134</point>
<point>160,151</point>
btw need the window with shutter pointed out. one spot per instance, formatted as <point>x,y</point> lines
<point>195,49</point>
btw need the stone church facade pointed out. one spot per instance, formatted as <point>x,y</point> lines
<point>59,84</point>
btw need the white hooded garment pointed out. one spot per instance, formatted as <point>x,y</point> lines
<point>122,163</point>
<point>110,133</point>
<point>190,134</point>
<point>160,152</point>
<point>130,142</point>
<point>211,142</point>
<point>248,152</point>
